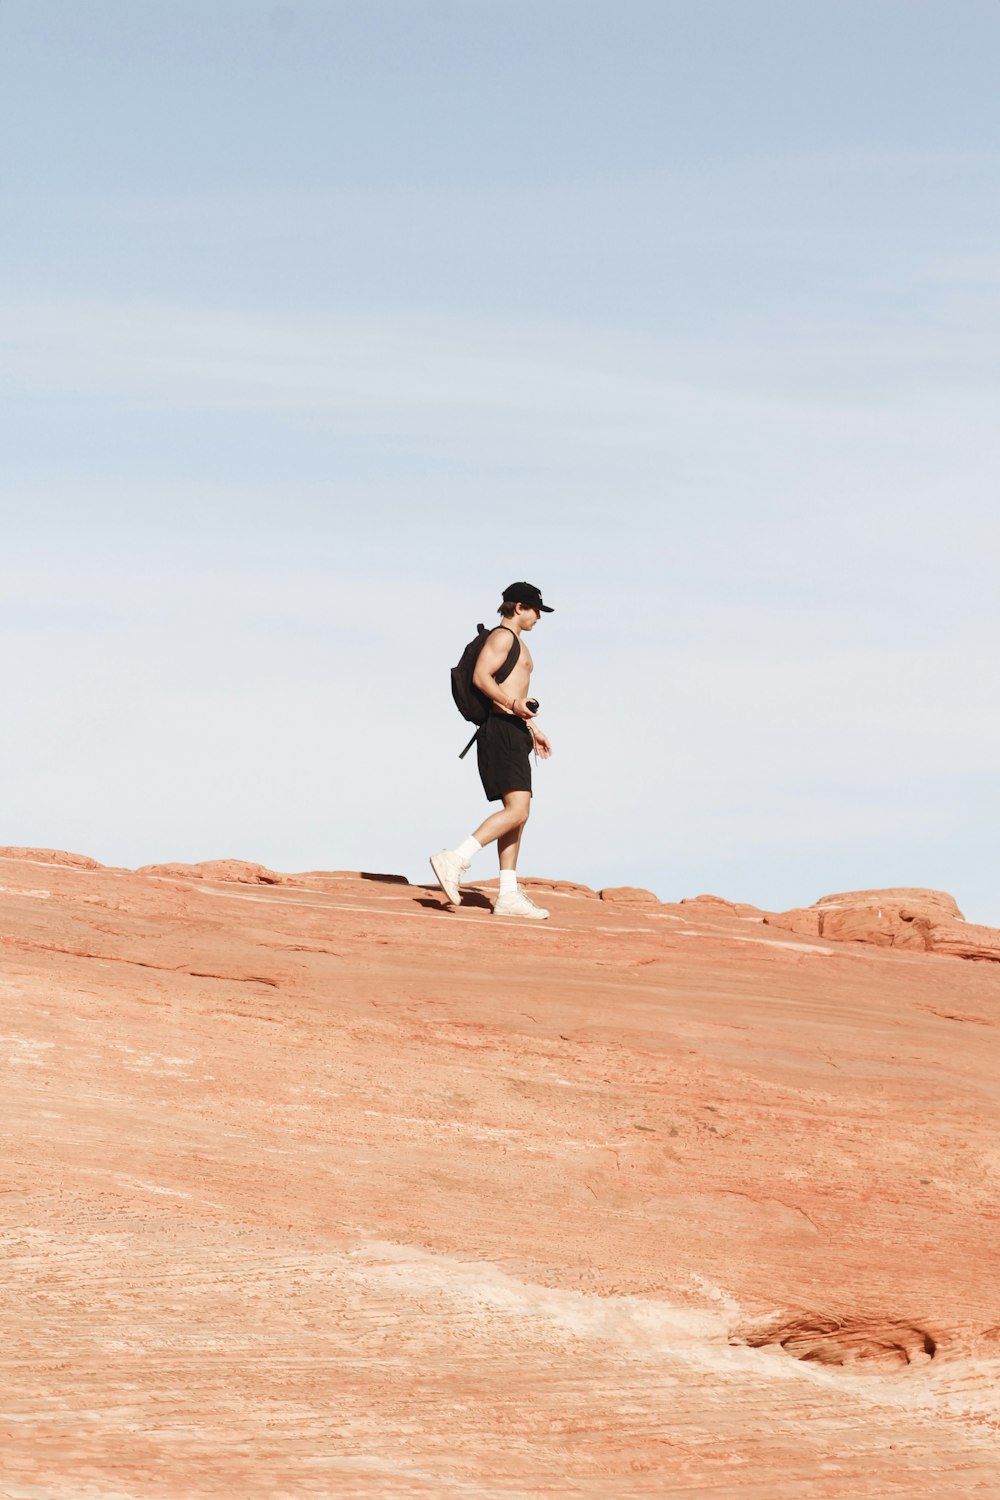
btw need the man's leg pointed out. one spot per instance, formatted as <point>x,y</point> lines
<point>503,753</point>
<point>508,845</point>
<point>511,900</point>
<point>508,848</point>
<point>506,826</point>
<point>451,865</point>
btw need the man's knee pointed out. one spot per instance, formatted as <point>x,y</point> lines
<point>519,806</point>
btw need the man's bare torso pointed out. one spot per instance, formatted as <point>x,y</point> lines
<point>519,681</point>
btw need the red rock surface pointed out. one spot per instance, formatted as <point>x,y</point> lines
<point>923,921</point>
<point>239,871</point>
<point>50,857</point>
<point>629,895</point>
<point>709,905</point>
<point>321,1189</point>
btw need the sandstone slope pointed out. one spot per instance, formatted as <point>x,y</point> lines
<point>312,1187</point>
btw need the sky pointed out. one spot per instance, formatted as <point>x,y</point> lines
<point>321,322</point>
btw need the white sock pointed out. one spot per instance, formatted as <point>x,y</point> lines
<point>467,848</point>
<point>508,882</point>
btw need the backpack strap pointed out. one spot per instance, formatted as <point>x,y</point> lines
<point>513,656</point>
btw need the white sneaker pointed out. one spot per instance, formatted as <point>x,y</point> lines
<point>518,904</point>
<point>449,871</point>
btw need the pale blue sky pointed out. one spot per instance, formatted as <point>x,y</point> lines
<point>319,323</point>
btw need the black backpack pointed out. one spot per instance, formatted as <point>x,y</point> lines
<point>470,702</point>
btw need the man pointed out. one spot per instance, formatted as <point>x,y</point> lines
<point>504,746</point>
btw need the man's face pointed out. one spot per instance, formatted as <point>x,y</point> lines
<point>529,617</point>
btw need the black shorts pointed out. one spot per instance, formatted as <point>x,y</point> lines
<point>504,750</point>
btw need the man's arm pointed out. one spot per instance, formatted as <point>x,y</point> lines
<point>542,746</point>
<point>491,658</point>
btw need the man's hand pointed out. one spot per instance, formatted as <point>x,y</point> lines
<point>541,743</point>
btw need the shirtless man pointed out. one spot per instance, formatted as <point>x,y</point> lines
<point>504,746</point>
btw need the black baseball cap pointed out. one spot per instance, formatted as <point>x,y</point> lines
<point>526,593</point>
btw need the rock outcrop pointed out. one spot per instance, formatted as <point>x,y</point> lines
<point>708,905</point>
<point>629,895</point>
<point>232,871</point>
<point>919,921</point>
<point>50,857</point>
